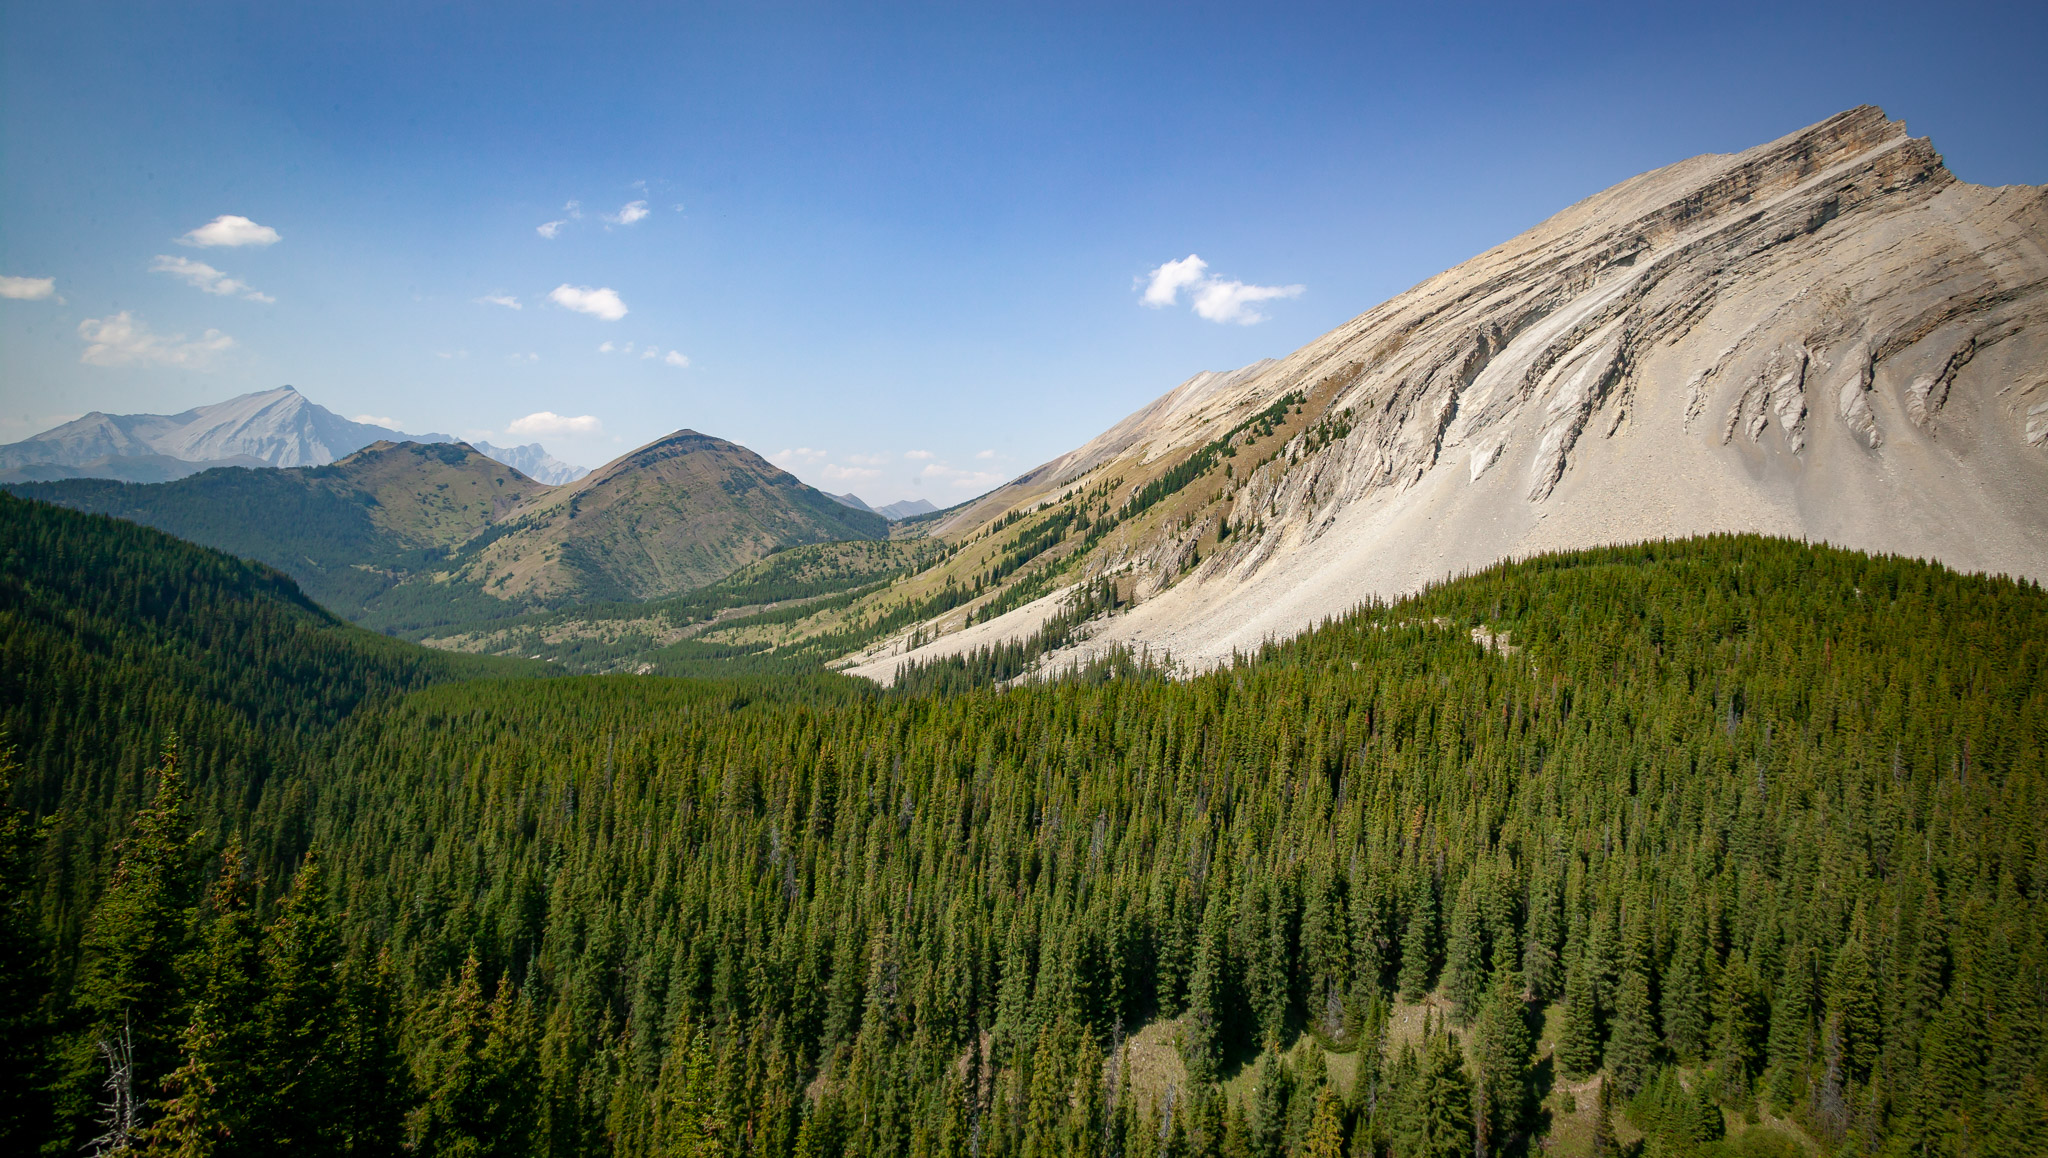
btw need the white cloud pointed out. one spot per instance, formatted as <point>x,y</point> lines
<point>550,229</point>
<point>232,230</point>
<point>649,352</point>
<point>202,276</point>
<point>868,459</point>
<point>1214,298</point>
<point>120,340</point>
<point>598,303</point>
<point>574,209</point>
<point>522,359</point>
<point>1168,280</point>
<point>451,353</point>
<point>1233,301</point>
<point>28,289</point>
<point>675,358</point>
<point>839,473</point>
<point>606,348</point>
<point>803,454</point>
<point>548,422</point>
<point>628,213</point>
<point>376,420</point>
<point>919,455</point>
<point>506,300</point>
<point>985,454</point>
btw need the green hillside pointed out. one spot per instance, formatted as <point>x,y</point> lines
<point>365,536</point>
<point>1735,845</point>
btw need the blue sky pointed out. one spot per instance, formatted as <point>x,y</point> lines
<point>907,245</point>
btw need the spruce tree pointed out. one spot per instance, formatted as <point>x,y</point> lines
<point>1631,1041</point>
<point>1465,957</point>
<point>1436,1121</point>
<point>1853,1008</point>
<point>23,980</point>
<point>130,989</point>
<point>1791,1035</point>
<point>1502,1051</point>
<point>1578,1043</point>
<point>1685,993</point>
<point>301,1020</point>
<point>1419,940</point>
<point>215,1103</point>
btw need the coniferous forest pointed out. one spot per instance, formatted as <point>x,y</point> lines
<point>1723,846</point>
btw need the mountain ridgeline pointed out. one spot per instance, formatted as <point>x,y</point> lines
<point>1723,846</point>
<point>412,538</point>
<point>1828,337</point>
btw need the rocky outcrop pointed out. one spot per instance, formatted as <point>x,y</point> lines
<point>1827,336</point>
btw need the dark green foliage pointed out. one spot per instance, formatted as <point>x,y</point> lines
<point>624,915</point>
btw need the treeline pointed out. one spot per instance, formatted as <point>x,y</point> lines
<point>1757,827</point>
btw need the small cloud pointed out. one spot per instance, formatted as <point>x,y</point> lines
<point>120,340</point>
<point>1213,298</point>
<point>506,300</point>
<point>802,454</point>
<point>523,359</point>
<point>550,229</point>
<point>376,420</point>
<point>678,207</point>
<point>1233,301</point>
<point>202,276</point>
<point>606,348</point>
<point>675,358</point>
<point>628,213</point>
<point>839,473</point>
<point>649,352</point>
<point>1169,279</point>
<point>574,209</point>
<point>868,459</point>
<point>919,455</point>
<point>548,422</point>
<point>598,303</point>
<point>28,289</point>
<point>985,455</point>
<point>231,230</point>
<point>451,353</point>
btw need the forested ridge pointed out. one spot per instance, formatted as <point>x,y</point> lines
<point>1750,830</point>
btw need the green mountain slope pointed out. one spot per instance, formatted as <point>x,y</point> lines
<point>679,513</point>
<point>1750,828</point>
<point>411,538</point>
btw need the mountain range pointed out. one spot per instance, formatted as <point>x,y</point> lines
<point>413,537</point>
<point>270,428</point>
<point>1826,337</point>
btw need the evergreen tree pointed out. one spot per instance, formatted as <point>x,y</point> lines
<point>1465,957</point>
<point>1853,1008</point>
<point>1632,1043</point>
<point>1419,941</point>
<point>130,989</point>
<point>216,1098</point>
<point>1502,1052</point>
<point>1739,1013</point>
<point>22,978</point>
<point>1791,1035</point>
<point>1436,1119</point>
<point>1578,1043</point>
<point>1685,993</point>
<point>301,1021</point>
<point>1326,1134</point>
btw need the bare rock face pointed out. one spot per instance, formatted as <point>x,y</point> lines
<point>1826,336</point>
